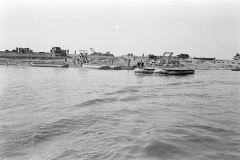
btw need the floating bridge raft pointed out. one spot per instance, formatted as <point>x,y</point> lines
<point>42,64</point>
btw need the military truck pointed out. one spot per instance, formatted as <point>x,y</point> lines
<point>58,52</point>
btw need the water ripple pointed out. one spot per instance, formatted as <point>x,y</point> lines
<point>77,113</point>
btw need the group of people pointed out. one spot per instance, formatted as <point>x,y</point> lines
<point>175,63</point>
<point>140,64</point>
<point>79,60</point>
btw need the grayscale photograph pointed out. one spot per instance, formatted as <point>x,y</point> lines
<point>120,80</point>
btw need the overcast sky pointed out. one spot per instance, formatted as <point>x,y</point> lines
<point>200,28</point>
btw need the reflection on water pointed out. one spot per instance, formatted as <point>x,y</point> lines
<point>78,113</point>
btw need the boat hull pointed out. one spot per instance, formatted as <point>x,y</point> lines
<point>143,70</point>
<point>56,65</point>
<point>174,71</point>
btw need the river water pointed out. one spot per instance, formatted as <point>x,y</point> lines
<point>79,113</point>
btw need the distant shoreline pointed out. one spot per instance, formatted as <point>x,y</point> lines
<point>14,59</point>
<point>191,63</point>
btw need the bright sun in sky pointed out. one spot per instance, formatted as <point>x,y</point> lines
<point>117,26</point>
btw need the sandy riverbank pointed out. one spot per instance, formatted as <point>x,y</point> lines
<point>121,61</point>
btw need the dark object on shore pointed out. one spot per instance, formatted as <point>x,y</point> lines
<point>236,69</point>
<point>204,58</point>
<point>58,52</point>
<point>42,64</point>
<point>236,57</point>
<point>183,56</point>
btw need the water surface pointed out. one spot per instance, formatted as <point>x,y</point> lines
<point>78,113</point>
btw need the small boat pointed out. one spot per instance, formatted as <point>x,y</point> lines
<point>174,71</point>
<point>171,66</point>
<point>47,64</point>
<point>96,66</point>
<point>144,70</point>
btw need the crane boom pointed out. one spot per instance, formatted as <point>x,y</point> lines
<point>92,50</point>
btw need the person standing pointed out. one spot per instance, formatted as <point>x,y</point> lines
<point>129,62</point>
<point>73,60</point>
<point>138,64</point>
